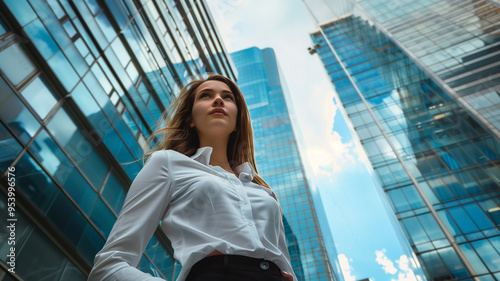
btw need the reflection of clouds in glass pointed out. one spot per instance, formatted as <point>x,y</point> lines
<point>84,100</point>
<point>120,52</point>
<point>106,27</point>
<point>63,70</point>
<point>41,38</point>
<point>62,127</point>
<point>93,6</point>
<point>39,97</point>
<point>404,271</point>
<point>15,64</point>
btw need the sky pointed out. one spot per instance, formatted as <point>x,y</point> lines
<point>367,236</point>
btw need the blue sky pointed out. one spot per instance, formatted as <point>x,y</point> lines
<point>364,228</point>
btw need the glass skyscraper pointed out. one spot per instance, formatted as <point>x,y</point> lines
<point>279,163</point>
<point>418,80</point>
<point>82,85</point>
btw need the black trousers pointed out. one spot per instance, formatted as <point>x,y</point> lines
<point>234,268</point>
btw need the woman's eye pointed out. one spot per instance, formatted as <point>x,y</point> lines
<point>229,97</point>
<point>203,95</point>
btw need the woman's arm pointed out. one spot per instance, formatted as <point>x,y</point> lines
<point>282,246</point>
<point>144,206</point>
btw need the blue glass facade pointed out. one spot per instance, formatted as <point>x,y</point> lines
<point>438,166</point>
<point>82,85</point>
<point>456,43</point>
<point>279,163</point>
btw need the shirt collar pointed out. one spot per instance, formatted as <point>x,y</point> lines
<point>245,170</point>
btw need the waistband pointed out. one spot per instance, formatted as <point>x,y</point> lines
<point>236,262</point>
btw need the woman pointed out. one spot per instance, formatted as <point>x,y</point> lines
<point>223,220</point>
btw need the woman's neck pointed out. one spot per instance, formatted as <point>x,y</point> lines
<point>219,154</point>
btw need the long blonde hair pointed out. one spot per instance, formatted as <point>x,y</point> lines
<point>179,136</point>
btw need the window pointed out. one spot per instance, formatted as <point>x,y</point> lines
<point>63,170</point>
<point>9,148</point>
<point>102,217</point>
<point>41,38</point>
<point>15,114</point>
<point>78,147</point>
<point>113,192</point>
<point>40,97</point>
<point>15,64</point>
<point>21,10</point>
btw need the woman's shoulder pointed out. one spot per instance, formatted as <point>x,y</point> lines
<point>166,155</point>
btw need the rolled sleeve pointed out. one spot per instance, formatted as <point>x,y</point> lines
<point>144,206</point>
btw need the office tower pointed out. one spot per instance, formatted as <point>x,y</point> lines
<point>279,163</point>
<point>407,85</point>
<point>82,85</point>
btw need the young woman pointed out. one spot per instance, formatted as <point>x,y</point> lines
<point>200,184</point>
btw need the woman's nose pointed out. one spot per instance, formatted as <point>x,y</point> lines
<point>218,101</point>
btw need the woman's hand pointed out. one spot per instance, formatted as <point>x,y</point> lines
<point>287,275</point>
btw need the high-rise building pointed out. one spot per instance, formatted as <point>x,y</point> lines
<point>418,81</point>
<point>279,163</point>
<point>82,85</point>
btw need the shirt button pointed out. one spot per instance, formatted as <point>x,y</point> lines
<point>250,224</point>
<point>264,265</point>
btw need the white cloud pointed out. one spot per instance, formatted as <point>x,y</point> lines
<point>404,272</point>
<point>325,149</point>
<point>347,270</point>
<point>263,23</point>
<point>387,264</point>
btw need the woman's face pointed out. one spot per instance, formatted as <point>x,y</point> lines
<point>214,110</point>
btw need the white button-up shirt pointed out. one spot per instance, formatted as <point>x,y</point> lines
<point>201,208</point>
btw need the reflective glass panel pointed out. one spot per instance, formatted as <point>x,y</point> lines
<point>9,148</point>
<point>454,264</point>
<point>160,257</point>
<point>36,255</point>
<point>15,64</point>
<point>462,220</point>
<point>488,254</point>
<point>60,167</point>
<point>41,38</point>
<point>81,47</point>
<point>67,218</point>
<point>70,29</point>
<point>473,259</point>
<point>21,10</point>
<point>54,5</point>
<point>40,97</point>
<point>90,243</point>
<point>63,70</point>
<point>15,114</point>
<point>93,6</point>
<point>78,146</point>
<point>102,217</point>
<point>121,52</point>
<point>114,192</point>
<point>105,26</point>
<point>35,183</point>
<point>72,273</point>
<point>415,230</point>
<point>435,266</point>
